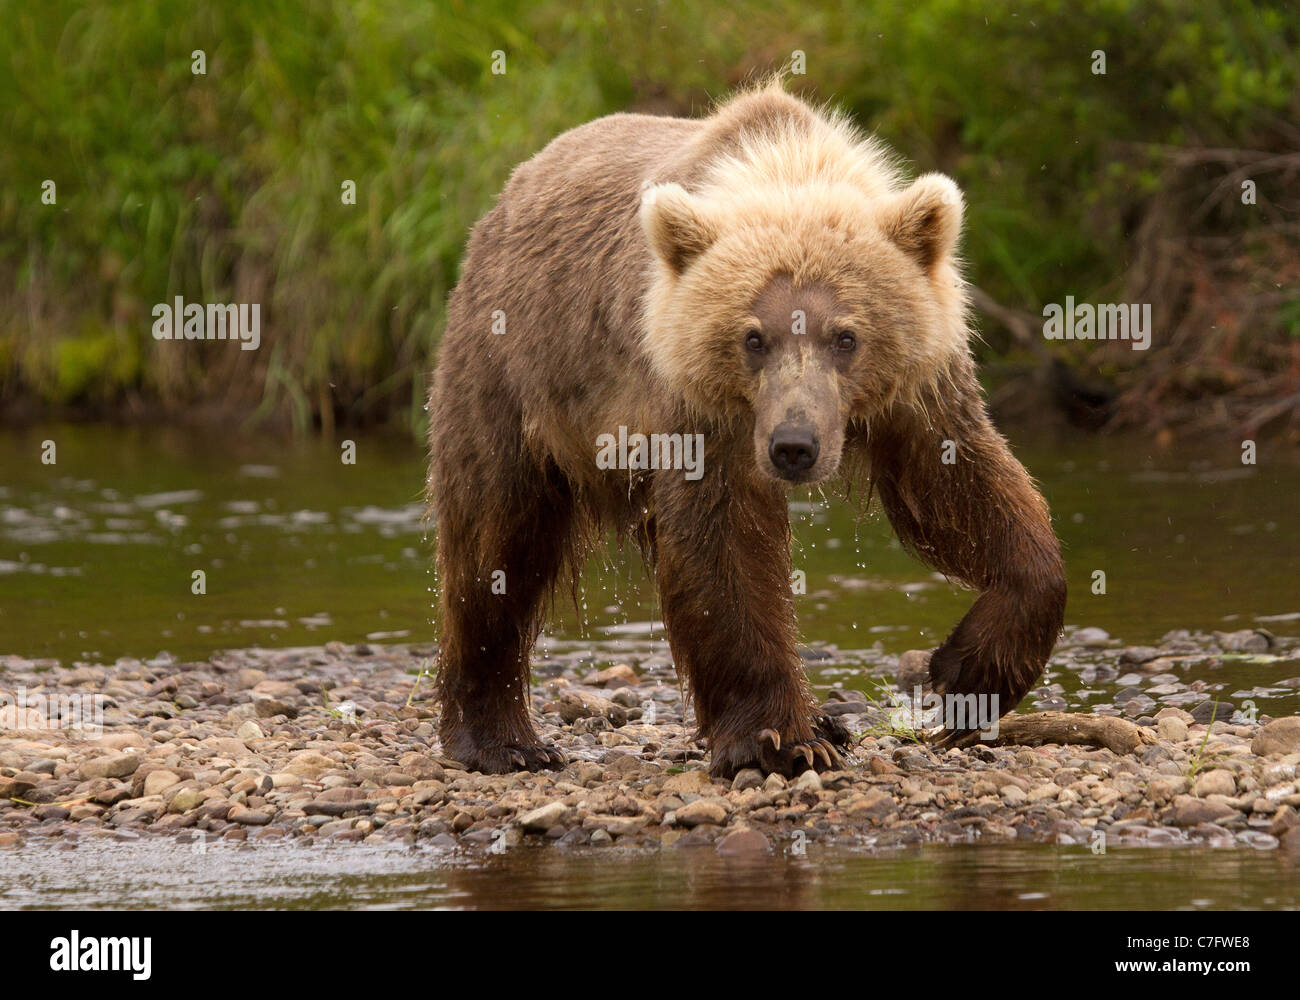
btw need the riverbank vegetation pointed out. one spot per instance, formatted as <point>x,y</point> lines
<point>229,185</point>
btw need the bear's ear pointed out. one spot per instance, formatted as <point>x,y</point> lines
<point>676,224</point>
<point>924,220</point>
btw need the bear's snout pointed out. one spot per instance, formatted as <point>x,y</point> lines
<point>793,450</point>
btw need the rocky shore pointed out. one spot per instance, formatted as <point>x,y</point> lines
<point>338,743</point>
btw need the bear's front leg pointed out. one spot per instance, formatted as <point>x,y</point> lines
<point>722,565</point>
<point>960,501</point>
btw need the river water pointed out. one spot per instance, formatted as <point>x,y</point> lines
<point>151,874</point>
<point>98,559</point>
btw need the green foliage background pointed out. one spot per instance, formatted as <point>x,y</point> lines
<point>226,186</point>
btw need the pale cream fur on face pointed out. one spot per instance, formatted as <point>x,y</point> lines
<point>817,202</point>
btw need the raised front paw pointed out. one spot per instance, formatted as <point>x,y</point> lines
<point>504,759</point>
<point>975,692</point>
<point>770,752</point>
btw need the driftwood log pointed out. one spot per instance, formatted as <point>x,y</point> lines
<point>1038,728</point>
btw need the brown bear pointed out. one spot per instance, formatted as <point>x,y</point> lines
<point>764,278</point>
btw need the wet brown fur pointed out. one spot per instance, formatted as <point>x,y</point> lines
<point>624,313</point>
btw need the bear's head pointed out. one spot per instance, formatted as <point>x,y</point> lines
<point>802,307</point>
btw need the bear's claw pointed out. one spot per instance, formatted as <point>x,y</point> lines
<point>948,739</point>
<point>515,757</point>
<point>769,753</point>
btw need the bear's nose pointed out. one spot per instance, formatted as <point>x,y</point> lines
<point>793,449</point>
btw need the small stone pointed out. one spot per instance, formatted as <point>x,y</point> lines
<point>283,779</point>
<point>619,675</point>
<point>1281,736</point>
<point>55,812</point>
<point>1163,789</point>
<point>1172,729</point>
<point>808,781</point>
<point>913,669</point>
<point>250,730</point>
<point>1217,782</point>
<point>185,800</point>
<point>159,781</point>
<point>1090,637</point>
<point>574,838</point>
<point>84,811</point>
<point>422,767</point>
<point>121,740</point>
<point>270,707</point>
<point>249,678</point>
<point>575,705</point>
<point>226,746</point>
<point>324,807</point>
<point>13,788</point>
<point>336,826</point>
<point>112,765</point>
<point>874,804</point>
<point>700,812</point>
<point>1284,819</point>
<point>141,808</point>
<point>1210,711</point>
<point>750,777</point>
<point>309,764</point>
<point>248,817</point>
<point>111,795</point>
<point>1245,641</point>
<point>541,819</point>
<point>399,778</point>
<point>1191,811</point>
<point>697,781</point>
<point>431,794</point>
<point>744,843</point>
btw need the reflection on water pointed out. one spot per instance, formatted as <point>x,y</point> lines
<point>98,552</point>
<point>155,873</point>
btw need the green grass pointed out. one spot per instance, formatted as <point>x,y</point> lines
<point>226,186</point>
<point>881,697</point>
<point>1199,760</point>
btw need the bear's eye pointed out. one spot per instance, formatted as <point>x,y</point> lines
<point>845,341</point>
<point>754,341</point>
